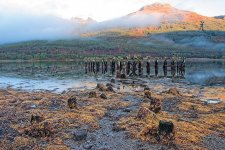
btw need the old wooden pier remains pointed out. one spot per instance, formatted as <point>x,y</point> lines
<point>123,67</point>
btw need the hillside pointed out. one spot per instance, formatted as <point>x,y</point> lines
<point>158,18</point>
<point>156,30</point>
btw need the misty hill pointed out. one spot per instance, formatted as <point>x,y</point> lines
<point>188,44</point>
<point>155,18</point>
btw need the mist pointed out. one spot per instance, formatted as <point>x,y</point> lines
<point>17,27</point>
<point>21,27</point>
<point>130,21</point>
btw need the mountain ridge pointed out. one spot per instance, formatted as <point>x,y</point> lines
<point>157,18</point>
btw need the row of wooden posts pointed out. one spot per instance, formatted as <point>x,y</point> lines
<point>136,67</point>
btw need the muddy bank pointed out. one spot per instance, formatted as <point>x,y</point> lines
<point>113,116</point>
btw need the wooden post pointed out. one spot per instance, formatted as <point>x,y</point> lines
<point>128,68</point>
<point>165,68</point>
<point>156,67</point>
<point>86,67</point>
<point>140,70</point>
<point>173,68</point>
<point>134,68</point>
<point>106,66</point>
<point>148,65</point>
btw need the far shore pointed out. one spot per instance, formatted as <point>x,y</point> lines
<point>78,60</point>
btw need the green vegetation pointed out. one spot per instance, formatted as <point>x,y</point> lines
<point>154,44</point>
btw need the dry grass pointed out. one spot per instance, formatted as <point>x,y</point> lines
<point>189,131</point>
<point>16,108</point>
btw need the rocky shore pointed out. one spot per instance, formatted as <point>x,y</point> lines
<point>117,115</point>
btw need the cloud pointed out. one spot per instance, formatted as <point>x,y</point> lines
<point>104,9</point>
<point>22,27</point>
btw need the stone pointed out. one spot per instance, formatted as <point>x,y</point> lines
<point>166,127</point>
<point>109,84</point>
<point>144,112</point>
<point>174,91</point>
<point>113,81</point>
<point>110,89</point>
<point>155,105</point>
<point>101,87</point>
<point>148,94</point>
<point>80,135</point>
<point>93,94</point>
<point>103,96</point>
<point>72,102</point>
<point>146,89</point>
<point>88,146</point>
<point>123,76</point>
<point>36,118</point>
<point>166,132</point>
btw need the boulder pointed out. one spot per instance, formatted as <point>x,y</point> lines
<point>101,87</point>
<point>144,113</point>
<point>93,94</point>
<point>110,89</point>
<point>103,96</point>
<point>166,132</point>
<point>155,105</point>
<point>166,127</point>
<point>72,102</point>
<point>80,135</point>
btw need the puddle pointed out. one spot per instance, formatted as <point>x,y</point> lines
<point>212,101</point>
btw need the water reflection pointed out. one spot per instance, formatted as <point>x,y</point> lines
<point>59,76</point>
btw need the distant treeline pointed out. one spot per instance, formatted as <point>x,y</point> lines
<point>154,45</point>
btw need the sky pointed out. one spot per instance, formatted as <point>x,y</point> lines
<point>22,20</point>
<point>101,10</point>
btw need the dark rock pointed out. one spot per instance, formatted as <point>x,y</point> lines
<point>146,89</point>
<point>101,87</point>
<point>155,105</point>
<point>113,81</point>
<point>166,127</point>
<point>123,76</point>
<point>80,135</point>
<point>87,146</point>
<point>72,102</point>
<point>127,110</point>
<point>56,104</point>
<point>110,89</point>
<point>144,112</point>
<point>109,84</point>
<point>93,94</point>
<point>166,132</point>
<point>103,96</point>
<point>35,118</point>
<point>148,94</point>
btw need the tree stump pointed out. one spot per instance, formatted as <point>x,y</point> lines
<point>72,102</point>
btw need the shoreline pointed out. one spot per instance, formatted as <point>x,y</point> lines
<point>92,118</point>
<point>77,60</point>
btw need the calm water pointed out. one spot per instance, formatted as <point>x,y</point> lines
<point>60,76</point>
